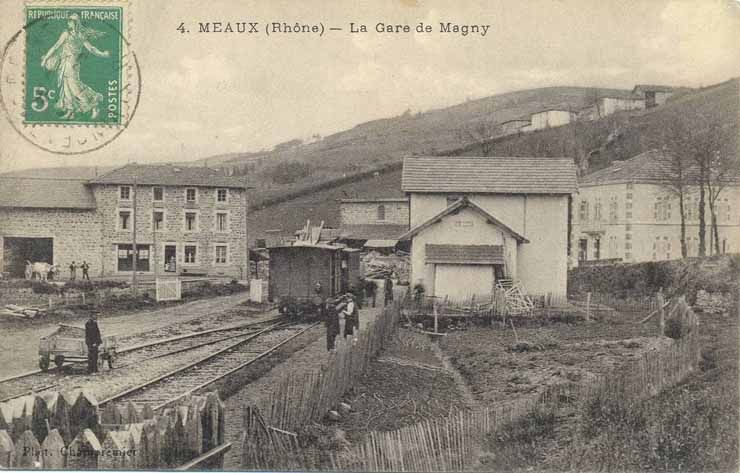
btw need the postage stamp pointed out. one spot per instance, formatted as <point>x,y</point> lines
<point>69,80</point>
<point>73,65</point>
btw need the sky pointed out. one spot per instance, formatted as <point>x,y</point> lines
<point>205,94</point>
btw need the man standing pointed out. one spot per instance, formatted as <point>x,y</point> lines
<point>351,317</point>
<point>388,290</point>
<point>92,340</point>
<point>331,318</point>
<point>85,268</point>
<point>72,271</point>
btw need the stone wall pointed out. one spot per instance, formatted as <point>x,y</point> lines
<point>366,213</point>
<point>174,206</point>
<point>75,234</point>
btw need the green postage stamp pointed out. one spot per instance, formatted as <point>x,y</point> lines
<point>74,58</point>
<point>70,82</point>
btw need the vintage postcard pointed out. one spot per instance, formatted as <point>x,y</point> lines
<point>397,235</point>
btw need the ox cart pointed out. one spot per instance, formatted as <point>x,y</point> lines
<point>302,277</point>
<point>67,343</point>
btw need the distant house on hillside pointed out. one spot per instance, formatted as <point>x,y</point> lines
<point>653,95</point>
<point>476,220</point>
<point>187,220</point>
<point>625,212</point>
<point>611,105</point>
<point>549,119</point>
<point>374,223</point>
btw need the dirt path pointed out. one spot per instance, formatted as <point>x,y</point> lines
<point>20,344</point>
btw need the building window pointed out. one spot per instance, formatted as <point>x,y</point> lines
<point>597,211</point>
<point>723,211</point>
<point>597,248</point>
<point>191,195</point>
<point>124,220</point>
<point>191,222</point>
<point>221,254</point>
<point>222,221</point>
<point>124,192</point>
<point>222,195</point>
<point>158,220</point>
<point>125,256</point>
<point>691,209</point>
<point>190,254</point>
<point>613,247</point>
<point>613,210</point>
<point>381,213</point>
<point>582,249</point>
<point>158,194</point>
<point>583,211</point>
<point>662,209</point>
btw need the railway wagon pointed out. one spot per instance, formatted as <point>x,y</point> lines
<point>296,270</point>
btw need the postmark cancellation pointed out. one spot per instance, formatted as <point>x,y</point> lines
<point>70,80</point>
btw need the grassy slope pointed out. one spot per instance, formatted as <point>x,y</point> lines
<point>636,132</point>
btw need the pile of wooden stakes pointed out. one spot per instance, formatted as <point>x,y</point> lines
<point>68,431</point>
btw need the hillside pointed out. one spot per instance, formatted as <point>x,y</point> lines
<point>595,144</point>
<point>376,144</point>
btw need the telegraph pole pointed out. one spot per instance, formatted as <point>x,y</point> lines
<point>134,284</point>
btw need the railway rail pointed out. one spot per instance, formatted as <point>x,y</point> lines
<point>37,380</point>
<point>183,381</point>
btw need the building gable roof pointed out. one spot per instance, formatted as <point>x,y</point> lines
<point>170,175</point>
<point>642,88</point>
<point>489,175</point>
<point>454,208</point>
<point>40,193</point>
<point>650,167</point>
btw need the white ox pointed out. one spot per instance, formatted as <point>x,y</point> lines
<point>40,270</point>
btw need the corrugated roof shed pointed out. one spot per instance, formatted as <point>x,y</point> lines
<point>489,175</point>
<point>465,254</point>
<point>373,232</point>
<point>25,192</point>
<point>169,175</point>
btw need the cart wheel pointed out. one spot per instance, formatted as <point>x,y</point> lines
<point>59,361</point>
<point>44,363</point>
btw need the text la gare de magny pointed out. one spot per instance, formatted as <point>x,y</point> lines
<point>283,27</point>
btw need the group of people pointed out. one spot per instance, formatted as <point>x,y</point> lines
<point>85,267</point>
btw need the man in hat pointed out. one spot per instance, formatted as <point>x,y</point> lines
<point>351,316</point>
<point>93,341</point>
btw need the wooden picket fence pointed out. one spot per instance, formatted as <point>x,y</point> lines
<point>68,431</point>
<point>451,443</point>
<point>271,429</point>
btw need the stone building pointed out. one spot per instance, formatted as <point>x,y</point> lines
<point>188,220</point>
<point>626,212</point>
<point>373,222</point>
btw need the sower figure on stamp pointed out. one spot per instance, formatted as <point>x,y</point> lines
<point>64,58</point>
<point>73,271</point>
<point>93,341</point>
<point>85,270</point>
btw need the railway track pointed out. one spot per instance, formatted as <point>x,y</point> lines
<point>37,380</point>
<point>239,353</point>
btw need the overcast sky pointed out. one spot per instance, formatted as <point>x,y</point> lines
<point>206,94</point>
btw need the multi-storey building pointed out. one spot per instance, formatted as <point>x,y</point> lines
<point>628,212</point>
<point>182,220</point>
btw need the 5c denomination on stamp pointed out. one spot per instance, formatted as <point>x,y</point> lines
<point>69,81</point>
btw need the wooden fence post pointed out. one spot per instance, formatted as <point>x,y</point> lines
<point>661,314</point>
<point>53,457</point>
<point>7,450</point>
